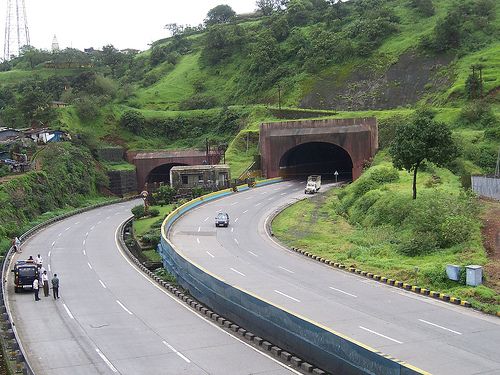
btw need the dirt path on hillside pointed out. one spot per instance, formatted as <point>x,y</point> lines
<point>491,241</point>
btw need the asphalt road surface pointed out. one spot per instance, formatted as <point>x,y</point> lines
<point>435,336</point>
<point>111,319</point>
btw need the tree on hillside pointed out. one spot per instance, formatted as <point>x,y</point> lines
<point>34,103</point>
<point>267,7</point>
<point>423,139</point>
<point>133,121</point>
<point>220,14</point>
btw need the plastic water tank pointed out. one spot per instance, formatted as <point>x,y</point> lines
<point>474,275</point>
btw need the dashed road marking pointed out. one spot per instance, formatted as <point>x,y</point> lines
<point>245,211</point>
<point>108,363</point>
<point>381,335</point>
<point>341,291</point>
<point>287,296</point>
<point>124,308</point>
<point>238,272</point>
<point>236,220</point>
<point>438,326</point>
<point>209,253</point>
<point>176,352</point>
<point>252,253</point>
<point>258,204</point>
<point>207,218</point>
<point>232,230</point>
<point>92,228</point>
<point>48,266</point>
<point>198,240</point>
<point>233,204</point>
<point>68,312</point>
<point>53,243</point>
<point>199,229</point>
<point>285,269</point>
<point>103,285</point>
<point>90,266</point>
<point>282,194</point>
<point>84,252</point>
<point>50,252</point>
<point>68,228</point>
<point>235,240</point>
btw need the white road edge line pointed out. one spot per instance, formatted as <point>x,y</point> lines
<point>124,308</point>
<point>438,326</point>
<point>48,266</point>
<point>103,357</point>
<point>84,252</point>
<point>176,352</point>
<point>341,291</point>
<point>285,269</point>
<point>238,272</point>
<point>381,335</point>
<point>183,305</point>
<point>104,286</point>
<point>209,253</point>
<point>68,312</point>
<point>287,296</point>
<point>198,240</point>
<point>199,229</point>
<point>49,253</point>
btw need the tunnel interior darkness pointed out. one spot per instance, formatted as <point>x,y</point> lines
<point>316,158</point>
<point>161,173</point>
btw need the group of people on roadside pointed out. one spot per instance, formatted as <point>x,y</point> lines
<point>42,281</point>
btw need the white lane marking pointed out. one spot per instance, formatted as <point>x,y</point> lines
<point>233,204</point>
<point>341,291</point>
<point>77,223</point>
<point>103,357</point>
<point>199,229</point>
<point>53,243</point>
<point>92,228</point>
<point>245,211</point>
<point>87,234</point>
<point>209,253</point>
<point>117,213</point>
<point>50,252</point>
<point>438,326</point>
<point>90,266</point>
<point>286,269</point>
<point>255,255</point>
<point>235,240</point>
<point>232,230</point>
<point>107,218</point>
<point>270,199</point>
<point>68,228</point>
<point>48,266</point>
<point>283,194</point>
<point>236,220</point>
<point>207,218</point>
<point>248,198</point>
<point>287,296</point>
<point>188,309</point>
<point>176,352</point>
<point>264,192</point>
<point>238,272</point>
<point>381,335</point>
<point>84,242</point>
<point>198,240</point>
<point>104,286</point>
<point>258,204</point>
<point>84,252</point>
<point>59,235</point>
<point>68,312</point>
<point>277,189</point>
<point>123,307</point>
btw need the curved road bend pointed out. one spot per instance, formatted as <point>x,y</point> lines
<point>111,319</point>
<point>435,336</point>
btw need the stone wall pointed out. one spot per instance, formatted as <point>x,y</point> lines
<point>122,182</point>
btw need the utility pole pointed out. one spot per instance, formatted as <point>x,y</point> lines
<point>16,29</point>
<point>279,97</point>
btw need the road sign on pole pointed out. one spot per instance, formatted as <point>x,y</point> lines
<point>336,176</point>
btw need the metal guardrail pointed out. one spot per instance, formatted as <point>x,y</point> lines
<point>21,357</point>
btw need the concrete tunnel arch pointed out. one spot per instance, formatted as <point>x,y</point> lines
<point>161,173</point>
<point>321,158</point>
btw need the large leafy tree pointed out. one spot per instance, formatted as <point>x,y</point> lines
<point>220,14</point>
<point>423,139</point>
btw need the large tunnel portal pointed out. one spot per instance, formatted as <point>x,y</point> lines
<point>316,158</point>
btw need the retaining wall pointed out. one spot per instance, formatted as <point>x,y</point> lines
<point>486,186</point>
<point>325,348</point>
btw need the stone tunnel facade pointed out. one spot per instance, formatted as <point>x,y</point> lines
<point>358,137</point>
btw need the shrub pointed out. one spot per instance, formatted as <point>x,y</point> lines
<point>153,212</point>
<point>164,275</point>
<point>384,175</point>
<point>151,238</point>
<point>164,195</point>
<point>198,101</point>
<point>493,134</point>
<point>133,121</point>
<point>363,204</point>
<point>478,114</point>
<point>138,211</point>
<point>454,230</point>
<point>87,108</point>
<point>418,244</point>
<point>4,170</point>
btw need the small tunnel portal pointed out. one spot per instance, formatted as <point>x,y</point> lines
<point>316,158</point>
<point>162,173</point>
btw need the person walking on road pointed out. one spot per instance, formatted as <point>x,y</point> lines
<point>39,260</point>
<point>35,288</point>
<point>55,286</point>
<point>45,283</point>
<point>16,242</point>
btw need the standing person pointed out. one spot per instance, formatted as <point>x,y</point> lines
<point>55,286</point>
<point>41,270</point>
<point>39,259</point>
<point>35,288</point>
<point>45,283</point>
<point>16,243</point>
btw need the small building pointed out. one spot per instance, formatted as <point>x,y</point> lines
<point>211,177</point>
<point>8,133</point>
<point>44,136</point>
<point>58,104</point>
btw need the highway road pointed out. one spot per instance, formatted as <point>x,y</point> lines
<point>111,319</point>
<point>435,336</point>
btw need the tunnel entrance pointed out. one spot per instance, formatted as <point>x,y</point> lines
<point>161,174</point>
<point>316,158</point>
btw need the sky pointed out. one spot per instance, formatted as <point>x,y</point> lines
<point>123,23</point>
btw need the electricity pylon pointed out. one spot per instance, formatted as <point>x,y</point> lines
<point>16,29</point>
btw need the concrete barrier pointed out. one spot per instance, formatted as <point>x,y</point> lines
<point>329,350</point>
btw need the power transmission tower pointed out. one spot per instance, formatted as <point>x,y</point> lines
<point>16,29</point>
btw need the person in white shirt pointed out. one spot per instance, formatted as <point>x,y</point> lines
<point>45,283</point>
<point>39,259</point>
<point>35,288</point>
